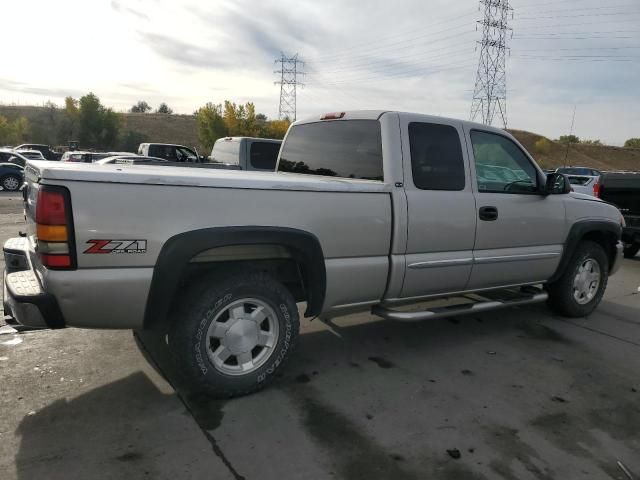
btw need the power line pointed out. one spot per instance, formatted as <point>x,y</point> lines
<point>289,82</point>
<point>490,91</point>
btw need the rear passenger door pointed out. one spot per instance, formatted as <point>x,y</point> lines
<point>441,206</point>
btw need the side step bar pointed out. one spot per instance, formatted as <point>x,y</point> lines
<point>457,310</point>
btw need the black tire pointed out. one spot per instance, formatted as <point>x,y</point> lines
<point>631,249</point>
<point>209,298</point>
<point>561,292</point>
<point>7,178</point>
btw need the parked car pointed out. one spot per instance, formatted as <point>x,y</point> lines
<point>170,152</point>
<point>11,176</point>
<point>581,171</point>
<point>46,150</point>
<point>622,189</point>
<point>11,156</point>
<point>367,211</point>
<point>153,161</point>
<point>89,157</point>
<point>249,153</point>
<point>31,154</point>
<point>129,159</point>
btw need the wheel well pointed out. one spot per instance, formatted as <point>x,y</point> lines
<point>292,256</point>
<point>607,240</point>
<point>278,261</point>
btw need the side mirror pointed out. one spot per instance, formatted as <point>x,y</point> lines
<point>557,184</point>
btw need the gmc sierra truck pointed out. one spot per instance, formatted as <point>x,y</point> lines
<point>367,211</point>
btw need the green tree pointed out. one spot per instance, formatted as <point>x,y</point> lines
<point>591,142</point>
<point>164,108</point>
<point>98,126</point>
<point>211,124</point>
<point>632,143</point>
<point>568,139</point>
<point>13,132</point>
<point>140,107</point>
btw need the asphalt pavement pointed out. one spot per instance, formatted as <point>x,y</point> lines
<point>513,394</point>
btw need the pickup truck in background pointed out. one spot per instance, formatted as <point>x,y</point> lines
<point>622,189</point>
<point>259,154</point>
<point>368,211</point>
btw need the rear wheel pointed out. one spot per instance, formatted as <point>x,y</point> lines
<point>631,249</point>
<point>11,183</point>
<point>581,287</point>
<point>232,335</point>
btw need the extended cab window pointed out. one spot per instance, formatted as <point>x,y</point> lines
<point>263,155</point>
<point>436,157</point>
<point>501,166</point>
<point>342,148</point>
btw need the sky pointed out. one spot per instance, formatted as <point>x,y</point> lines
<point>409,55</point>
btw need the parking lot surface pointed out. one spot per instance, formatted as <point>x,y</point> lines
<point>513,394</point>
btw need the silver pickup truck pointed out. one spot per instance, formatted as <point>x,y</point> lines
<point>368,210</point>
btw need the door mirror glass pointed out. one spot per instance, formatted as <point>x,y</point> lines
<point>556,184</point>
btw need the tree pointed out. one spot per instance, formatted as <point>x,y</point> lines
<point>13,132</point>
<point>98,126</point>
<point>242,120</point>
<point>568,139</point>
<point>211,124</point>
<point>164,108</point>
<point>140,107</point>
<point>277,128</point>
<point>542,146</point>
<point>591,142</point>
<point>632,143</point>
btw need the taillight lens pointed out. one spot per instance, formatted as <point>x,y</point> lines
<point>596,189</point>
<point>53,227</point>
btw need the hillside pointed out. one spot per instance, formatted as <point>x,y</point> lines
<point>595,156</point>
<point>182,129</point>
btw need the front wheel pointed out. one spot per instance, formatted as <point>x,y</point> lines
<point>232,335</point>
<point>631,249</point>
<point>580,288</point>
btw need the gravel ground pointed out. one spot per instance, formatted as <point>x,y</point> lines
<point>515,394</point>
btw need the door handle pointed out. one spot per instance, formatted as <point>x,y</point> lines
<point>488,214</point>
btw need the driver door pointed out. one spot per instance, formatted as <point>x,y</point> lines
<point>520,233</point>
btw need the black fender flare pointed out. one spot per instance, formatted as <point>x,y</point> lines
<point>178,250</point>
<point>577,233</point>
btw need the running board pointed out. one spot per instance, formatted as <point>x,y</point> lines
<point>457,310</point>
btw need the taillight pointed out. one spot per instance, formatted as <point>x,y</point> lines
<point>596,189</point>
<point>54,230</point>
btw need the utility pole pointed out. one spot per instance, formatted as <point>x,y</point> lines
<point>290,69</point>
<point>490,91</point>
<point>566,153</point>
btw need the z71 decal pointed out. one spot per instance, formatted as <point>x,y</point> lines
<point>117,246</point>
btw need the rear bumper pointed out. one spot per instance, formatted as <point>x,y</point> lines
<point>24,298</point>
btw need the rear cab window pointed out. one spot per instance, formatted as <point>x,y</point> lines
<point>338,148</point>
<point>226,150</point>
<point>263,155</point>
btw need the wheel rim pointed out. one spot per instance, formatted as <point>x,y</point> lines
<point>586,281</point>
<point>241,338</point>
<point>10,183</point>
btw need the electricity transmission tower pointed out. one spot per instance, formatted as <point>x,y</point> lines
<point>490,91</point>
<point>290,69</point>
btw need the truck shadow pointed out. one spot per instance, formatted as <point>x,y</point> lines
<point>114,431</point>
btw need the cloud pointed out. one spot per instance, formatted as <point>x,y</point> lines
<point>118,7</point>
<point>20,87</point>
<point>184,53</point>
